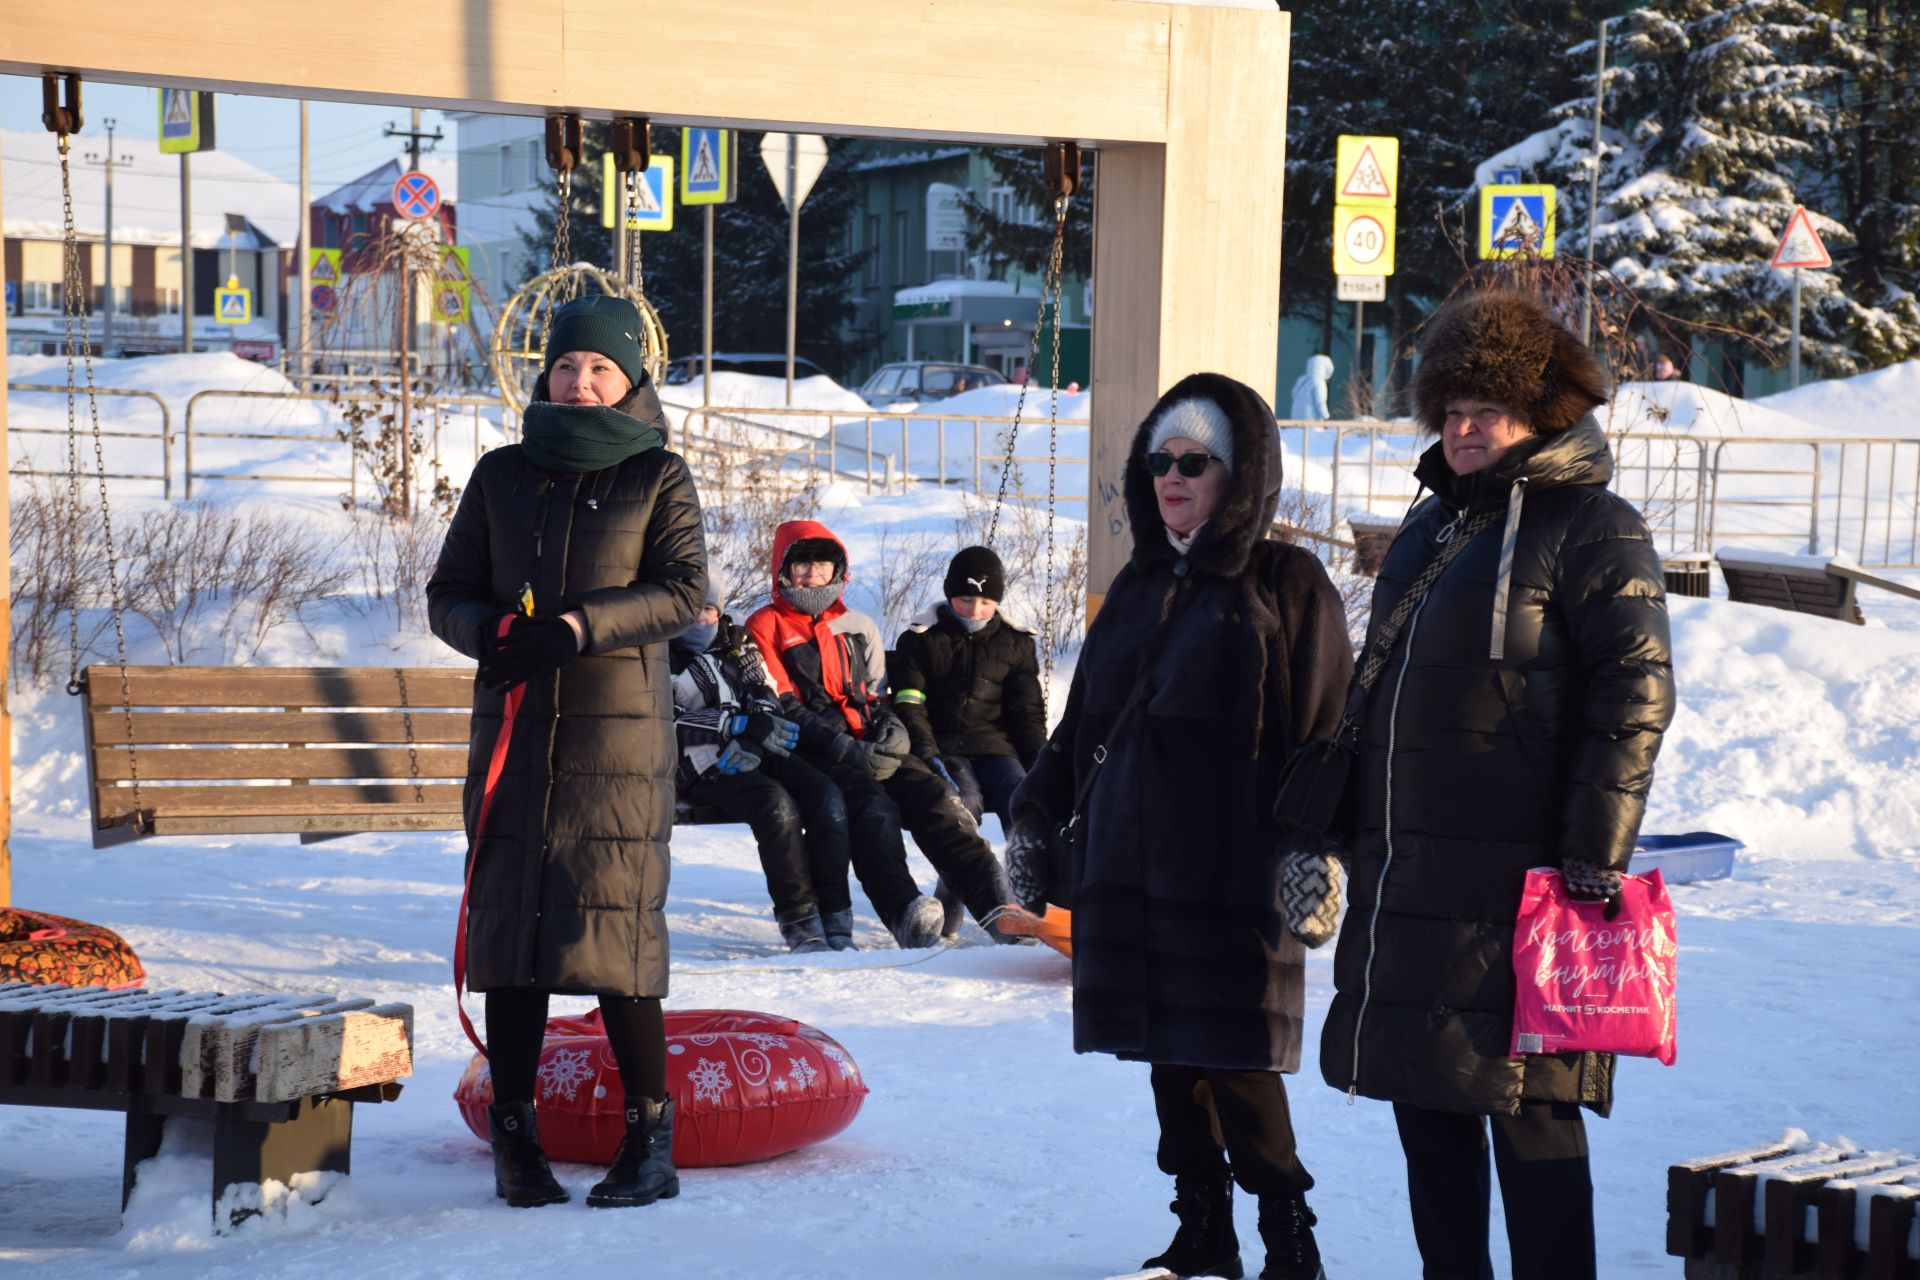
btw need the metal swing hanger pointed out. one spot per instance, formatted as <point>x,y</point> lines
<point>1060,175</point>
<point>60,113</point>
<point>632,138</point>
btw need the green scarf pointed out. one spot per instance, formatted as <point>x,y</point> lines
<point>583,437</point>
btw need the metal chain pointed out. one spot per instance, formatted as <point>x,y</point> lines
<point>636,266</point>
<point>1055,257</point>
<point>79,341</point>
<point>1048,619</point>
<point>562,241</point>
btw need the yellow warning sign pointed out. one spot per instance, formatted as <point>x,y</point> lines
<point>451,302</point>
<point>1363,242</point>
<point>324,266</point>
<point>454,264</point>
<point>1366,171</point>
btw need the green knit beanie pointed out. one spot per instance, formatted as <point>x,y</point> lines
<point>602,323</point>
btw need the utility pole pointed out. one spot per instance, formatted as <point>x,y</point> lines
<point>303,254</point>
<point>186,254</point>
<point>1593,177</point>
<point>107,163</point>
<point>793,254</point>
<point>706,314</point>
<point>414,137</point>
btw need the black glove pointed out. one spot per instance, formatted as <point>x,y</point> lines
<point>763,729</point>
<point>881,764</point>
<point>538,648</point>
<point>491,640</point>
<point>1029,859</point>
<point>888,734</point>
<point>1587,882</point>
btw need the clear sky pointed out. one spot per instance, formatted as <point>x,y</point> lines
<point>345,140</point>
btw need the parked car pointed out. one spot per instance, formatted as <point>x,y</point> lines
<point>920,381</point>
<point>761,364</point>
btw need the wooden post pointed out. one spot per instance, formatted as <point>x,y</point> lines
<point>6,652</point>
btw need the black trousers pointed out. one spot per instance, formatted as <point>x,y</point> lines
<point>879,852</point>
<point>1546,1189</point>
<point>1254,1124</point>
<point>949,836</point>
<point>799,822</point>
<point>517,1028</point>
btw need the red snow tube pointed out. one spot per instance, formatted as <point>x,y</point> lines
<point>745,1087</point>
<point>42,949</point>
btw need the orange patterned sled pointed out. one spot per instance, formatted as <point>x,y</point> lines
<point>1055,928</point>
<point>40,948</point>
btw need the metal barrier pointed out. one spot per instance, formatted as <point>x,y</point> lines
<point>434,405</point>
<point>165,437</point>
<point>824,452</point>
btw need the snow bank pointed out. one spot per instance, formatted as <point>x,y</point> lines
<point>1885,402</point>
<point>1686,408</point>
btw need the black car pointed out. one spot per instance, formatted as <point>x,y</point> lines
<point>761,364</point>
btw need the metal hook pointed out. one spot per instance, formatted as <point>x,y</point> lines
<point>60,117</point>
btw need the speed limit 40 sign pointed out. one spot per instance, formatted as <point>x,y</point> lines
<point>1363,242</point>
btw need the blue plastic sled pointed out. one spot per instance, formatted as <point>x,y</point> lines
<point>1697,855</point>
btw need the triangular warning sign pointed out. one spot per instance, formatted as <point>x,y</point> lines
<point>705,171</point>
<point>1367,178</point>
<point>1801,246</point>
<point>323,272</point>
<point>450,266</point>
<point>179,107</point>
<point>644,201</point>
<point>1517,230</point>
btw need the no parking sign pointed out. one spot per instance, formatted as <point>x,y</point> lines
<point>416,196</point>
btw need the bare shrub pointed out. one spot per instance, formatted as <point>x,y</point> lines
<point>903,565</point>
<point>1031,547</point>
<point>744,497</point>
<point>393,560</point>
<point>52,575</point>
<point>1311,520</point>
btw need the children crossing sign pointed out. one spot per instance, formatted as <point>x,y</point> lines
<point>1800,245</point>
<point>652,206</point>
<point>709,166</point>
<point>1366,187</point>
<point>233,305</point>
<point>1366,171</point>
<point>453,286</point>
<point>1516,220</point>
<point>323,267</point>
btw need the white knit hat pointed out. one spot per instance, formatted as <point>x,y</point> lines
<point>1199,420</point>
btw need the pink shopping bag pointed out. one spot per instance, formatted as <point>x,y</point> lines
<point>1584,982</point>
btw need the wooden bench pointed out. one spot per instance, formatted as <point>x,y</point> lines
<point>1791,1210</point>
<point>278,1075</point>
<point>1372,535</point>
<point>316,751</point>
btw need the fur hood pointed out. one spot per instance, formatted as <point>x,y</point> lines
<point>1504,345</point>
<point>1225,543</point>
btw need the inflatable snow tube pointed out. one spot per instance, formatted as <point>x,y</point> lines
<point>745,1087</point>
<point>40,948</point>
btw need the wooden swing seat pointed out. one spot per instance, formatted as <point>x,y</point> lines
<point>318,752</point>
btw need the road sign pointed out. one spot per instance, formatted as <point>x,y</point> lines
<point>1516,220</point>
<point>1363,242</point>
<point>323,266</point>
<point>1800,244</point>
<point>186,121</point>
<point>322,297</point>
<point>1366,171</point>
<point>652,208</point>
<point>451,303</point>
<point>1507,177</point>
<point>233,305</point>
<point>416,196</point>
<point>1360,288</point>
<point>13,291</point>
<point>709,166</point>
<point>810,157</point>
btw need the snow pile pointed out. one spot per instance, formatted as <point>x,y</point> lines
<point>1687,408</point>
<point>1885,402</point>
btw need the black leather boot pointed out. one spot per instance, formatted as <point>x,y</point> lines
<point>521,1175</point>
<point>1204,1244</point>
<point>838,926</point>
<point>642,1169</point>
<point>1286,1228</point>
<point>803,932</point>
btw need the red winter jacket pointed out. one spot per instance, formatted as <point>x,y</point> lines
<point>830,671</point>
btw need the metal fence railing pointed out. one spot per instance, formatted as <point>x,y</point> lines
<point>163,438</point>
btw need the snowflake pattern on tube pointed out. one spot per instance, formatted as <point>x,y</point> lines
<point>709,1079</point>
<point>564,1071</point>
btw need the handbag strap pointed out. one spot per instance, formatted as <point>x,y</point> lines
<point>1453,539</point>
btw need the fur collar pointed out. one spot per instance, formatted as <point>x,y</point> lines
<point>1225,543</point>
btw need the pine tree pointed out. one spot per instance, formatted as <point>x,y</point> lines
<point>749,257</point>
<point>1025,241</point>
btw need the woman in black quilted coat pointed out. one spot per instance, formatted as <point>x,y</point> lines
<point>1514,725</point>
<point>568,882</point>
<point>1217,652</point>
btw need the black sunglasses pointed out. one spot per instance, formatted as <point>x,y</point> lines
<point>1190,464</point>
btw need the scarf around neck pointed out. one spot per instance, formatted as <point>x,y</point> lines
<point>583,437</point>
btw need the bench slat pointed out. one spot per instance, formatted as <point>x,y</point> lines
<point>333,1053</point>
<point>282,686</point>
<point>153,728</point>
<point>328,824</point>
<point>240,763</point>
<point>260,801</point>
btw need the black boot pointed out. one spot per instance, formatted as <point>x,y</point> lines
<point>950,903</point>
<point>802,931</point>
<point>1204,1244</point>
<point>838,927</point>
<point>642,1169</point>
<point>1286,1228</point>
<point>521,1175</point>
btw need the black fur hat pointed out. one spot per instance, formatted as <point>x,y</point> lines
<point>1505,346</point>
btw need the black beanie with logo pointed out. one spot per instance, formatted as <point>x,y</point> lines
<point>977,571</point>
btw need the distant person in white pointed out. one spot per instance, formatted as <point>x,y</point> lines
<point>1310,390</point>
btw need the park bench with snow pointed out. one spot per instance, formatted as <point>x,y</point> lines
<point>276,1074</point>
<point>1823,586</point>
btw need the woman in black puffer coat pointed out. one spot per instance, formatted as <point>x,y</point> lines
<point>1215,654</point>
<point>569,880</point>
<point>1514,725</point>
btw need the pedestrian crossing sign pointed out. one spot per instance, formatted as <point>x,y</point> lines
<point>324,267</point>
<point>186,121</point>
<point>708,166</point>
<point>652,205</point>
<point>233,305</point>
<point>1516,220</point>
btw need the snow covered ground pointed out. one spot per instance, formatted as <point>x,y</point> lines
<point>986,1145</point>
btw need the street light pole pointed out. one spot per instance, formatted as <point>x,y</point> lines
<point>1593,176</point>
<point>107,163</point>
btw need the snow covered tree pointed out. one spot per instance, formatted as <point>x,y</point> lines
<point>1025,239</point>
<point>749,256</point>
